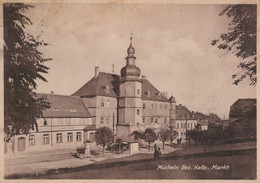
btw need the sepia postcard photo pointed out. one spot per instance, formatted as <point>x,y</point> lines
<point>108,90</point>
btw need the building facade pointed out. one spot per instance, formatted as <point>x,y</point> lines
<point>185,120</point>
<point>66,124</point>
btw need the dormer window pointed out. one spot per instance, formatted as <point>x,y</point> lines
<point>56,109</point>
<point>107,88</point>
<point>73,110</point>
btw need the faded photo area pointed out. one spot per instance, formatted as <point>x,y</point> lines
<point>129,91</point>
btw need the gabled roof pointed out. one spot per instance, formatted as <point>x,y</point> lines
<point>155,94</point>
<point>106,84</point>
<point>64,106</point>
<point>199,115</point>
<point>243,107</point>
<point>213,118</point>
<point>182,112</point>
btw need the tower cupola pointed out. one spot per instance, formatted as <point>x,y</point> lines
<point>130,70</point>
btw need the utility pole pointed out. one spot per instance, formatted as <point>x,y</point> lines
<point>114,132</point>
<point>186,130</point>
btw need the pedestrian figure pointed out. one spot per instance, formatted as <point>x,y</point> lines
<point>155,146</point>
<point>156,153</point>
<point>159,152</point>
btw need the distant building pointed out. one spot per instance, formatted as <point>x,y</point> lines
<point>183,116</point>
<point>213,119</point>
<point>202,120</point>
<point>67,124</point>
<point>242,119</point>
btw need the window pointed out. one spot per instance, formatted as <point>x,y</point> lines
<point>165,120</point>
<point>143,119</point>
<point>78,136</point>
<point>138,112</point>
<point>31,140</point>
<point>59,138</point>
<point>107,120</point>
<point>156,120</point>
<point>108,103</point>
<point>151,120</point>
<point>60,120</point>
<point>102,104</point>
<point>46,139</point>
<point>82,121</point>
<point>191,125</point>
<point>102,120</point>
<point>45,123</point>
<point>138,91</point>
<point>177,125</point>
<point>181,133</point>
<point>137,125</point>
<point>143,106</point>
<point>68,121</point>
<point>188,125</point>
<point>181,125</point>
<point>69,137</point>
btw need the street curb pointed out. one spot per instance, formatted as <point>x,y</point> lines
<point>101,165</point>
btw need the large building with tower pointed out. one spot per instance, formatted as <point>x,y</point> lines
<point>124,103</point>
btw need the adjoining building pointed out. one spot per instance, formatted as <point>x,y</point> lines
<point>66,124</point>
<point>202,120</point>
<point>184,118</point>
<point>242,119</point>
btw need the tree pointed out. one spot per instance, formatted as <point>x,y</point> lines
<point>119,142</point>
<point>23,66</point>
<point>149,136</point>
<point>163,135</point>
<point>172,134</point>
<point>138,135</point>
<point>241,39</point>
<point>104,136</point>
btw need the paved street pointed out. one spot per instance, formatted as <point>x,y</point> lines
<point>241,166</point>
<point>40,163</point>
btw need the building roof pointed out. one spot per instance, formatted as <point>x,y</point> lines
<point>64,106</point>
<point>199,115</point>
<point>243,108</point>
<point>213,118</point>
<point>106,84</point>
<point>182,112</point>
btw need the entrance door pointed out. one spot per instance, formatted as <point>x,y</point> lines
<point>92,137</point>
<point>21,144</point>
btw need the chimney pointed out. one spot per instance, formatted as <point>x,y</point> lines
<point>143,77</point>
<point>113,68</point>
<point>96,71</point>
<point>52,92</point>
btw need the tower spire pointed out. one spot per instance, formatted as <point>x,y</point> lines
<point>131,50</point>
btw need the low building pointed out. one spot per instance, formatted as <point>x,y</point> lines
<point>202,120</point>
<point>66,124</point>
<point>183,117</point>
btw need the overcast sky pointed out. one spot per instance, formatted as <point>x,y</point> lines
<point>172,44</point>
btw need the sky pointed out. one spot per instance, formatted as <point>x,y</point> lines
<point>172,43</point>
